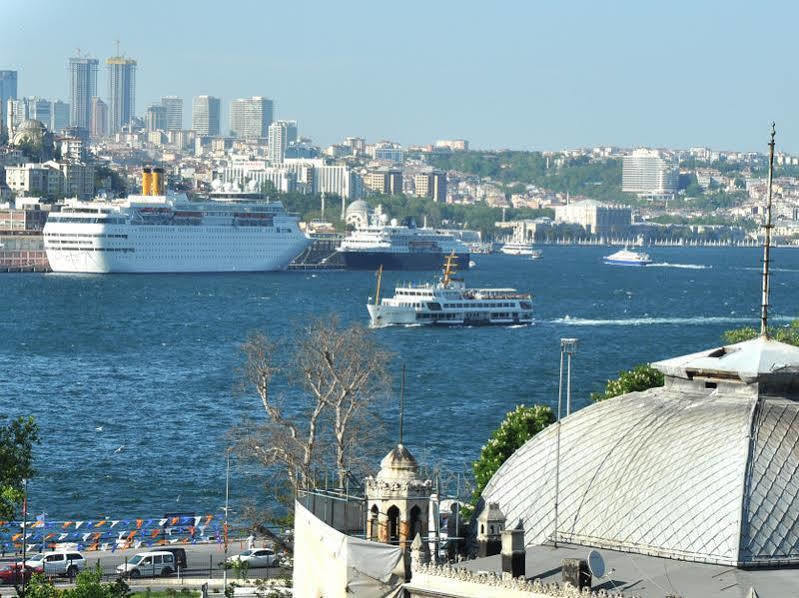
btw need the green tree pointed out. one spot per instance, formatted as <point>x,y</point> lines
<point>639,378</point>
<point>519,426</point>
<point>16,462</point>
<point>785,334</point>
<point>88,584</point>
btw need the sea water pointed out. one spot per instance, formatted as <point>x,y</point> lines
<point>132,378</point>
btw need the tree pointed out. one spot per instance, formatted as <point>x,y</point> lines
<point>339,373</point>
<point>88,584</point>
<point>16,462</point>
<point>785,334</point>
<point>639,378</point>
<point>344,370</point>
<point>519,426</point>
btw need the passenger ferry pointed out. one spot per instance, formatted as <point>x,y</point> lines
<point>521,248</point>
<point>625,257</point>
<point>160,233</point>
<point>449,302</point>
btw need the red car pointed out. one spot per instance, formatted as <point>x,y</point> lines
<point>12,573</point>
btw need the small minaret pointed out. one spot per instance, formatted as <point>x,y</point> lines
<point>398,500</point>
<point>767,239</point>
<point>490,524</point>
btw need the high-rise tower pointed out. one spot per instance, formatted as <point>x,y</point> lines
<point>99,122</point>
<point>174,112</point>
<point>250,117</point>
<point>8,91</point>
<point>121,92</point>
<point>205,115</point>
<point>82,88</point>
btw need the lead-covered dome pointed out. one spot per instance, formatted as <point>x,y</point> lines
<point>705,468</point>
<point>399,464</point>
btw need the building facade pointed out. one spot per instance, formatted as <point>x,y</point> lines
<point>60,116</point>
<point>250,118</point>
<point>431,184</point>
<point>647,172</point>
<point>205,116</point>
<point>174,112</point>
<point>8,91</point>
<point>82,88</point>
<point>41,110</point>
<point>595,217</point>
<point>278,140</point>
<point>387,181</point>
<point>99,123</point>
<point>155,119</point>
<point>121,92</point>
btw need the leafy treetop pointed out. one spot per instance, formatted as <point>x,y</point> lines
<point>16,462</point>
<point>641,377</point>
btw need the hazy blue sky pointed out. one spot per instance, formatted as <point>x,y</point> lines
<point>533,75</point>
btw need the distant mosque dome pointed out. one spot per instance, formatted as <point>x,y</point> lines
<point>702,469</point>
<point>357,214</point>
<point>30,130</point>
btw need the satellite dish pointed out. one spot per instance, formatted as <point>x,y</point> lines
<point>596,564</point>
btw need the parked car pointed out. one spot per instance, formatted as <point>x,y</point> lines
<point>60,563</point>
<point>179,554</point>
<point>152,564</point>
<point>12,573</point>
<point>256,557</point>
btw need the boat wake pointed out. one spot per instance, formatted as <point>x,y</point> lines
<point>684,266</point>
<point>771,269</point>
<point>647,321</point>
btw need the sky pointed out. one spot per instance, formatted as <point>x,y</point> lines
<point>522,75</point>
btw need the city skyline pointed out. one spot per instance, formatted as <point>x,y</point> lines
<point>518,76</point>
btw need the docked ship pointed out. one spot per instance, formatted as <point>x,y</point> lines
<point>625,257</point>
<point>155,232</point>
<point>392,246</point>
<point>448,302</point>
<point>521,248</point>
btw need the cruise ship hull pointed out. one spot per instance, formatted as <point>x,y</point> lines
<point>626,262</point>
<point>372,260</point>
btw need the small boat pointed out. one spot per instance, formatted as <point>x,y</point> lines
<point>519,248</point>
<point>536,255</point>
<point>448,302</point>
<point>625,257</point>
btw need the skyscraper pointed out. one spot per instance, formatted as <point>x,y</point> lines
<point>40,109</point>
<point>156,117</point>
<point>82,88</point>
<point>250,117</point>
<point>121,92</point>
<point>205,116</point>
<point>647,172</point>
<point>291,131</point>
<point>60,116</point>
<point>278,140</point>
<point>8,91</point>
<point>174,112</point>
<point>99,122</point>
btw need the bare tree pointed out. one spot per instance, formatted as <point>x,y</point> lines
<point>343,371</point>
<point>347,372</point>
<point>281,441</point>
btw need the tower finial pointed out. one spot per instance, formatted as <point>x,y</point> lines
<point>767,238</point>
<point>402,403</point>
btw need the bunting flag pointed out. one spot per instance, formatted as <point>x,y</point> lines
<point>107,533</point>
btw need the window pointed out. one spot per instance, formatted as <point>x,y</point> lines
<point>157,559</point>
<point>55,557</point>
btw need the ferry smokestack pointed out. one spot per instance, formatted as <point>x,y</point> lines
<point>146,180</point>
<point>158,182</point>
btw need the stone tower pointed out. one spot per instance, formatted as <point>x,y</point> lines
<point>398,500</point>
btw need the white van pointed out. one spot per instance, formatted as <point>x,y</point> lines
<point>148,564</point>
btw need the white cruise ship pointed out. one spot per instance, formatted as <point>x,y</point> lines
<point>158,233</point>
<point>449,302</point>
<point>625,257</point>
<point>520,248</point>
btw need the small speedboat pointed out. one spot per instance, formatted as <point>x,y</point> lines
<point>625,257</point>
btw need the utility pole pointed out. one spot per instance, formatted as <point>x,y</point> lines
<point>24,528</point>
<point>227,501</point>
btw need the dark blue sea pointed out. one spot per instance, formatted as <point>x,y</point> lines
<point>132,377</point>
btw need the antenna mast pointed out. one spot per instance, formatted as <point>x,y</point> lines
<point>402,403</point>
<point>767,239</point>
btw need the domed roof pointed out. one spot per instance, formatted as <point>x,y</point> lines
<point>398,464</point>
<point>357,207</point>
<point>705,468</point>
<point>31,124</point>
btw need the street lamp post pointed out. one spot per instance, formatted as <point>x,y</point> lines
<point>227,500</point>
<point>24,528</point>
<point>568,346</point>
